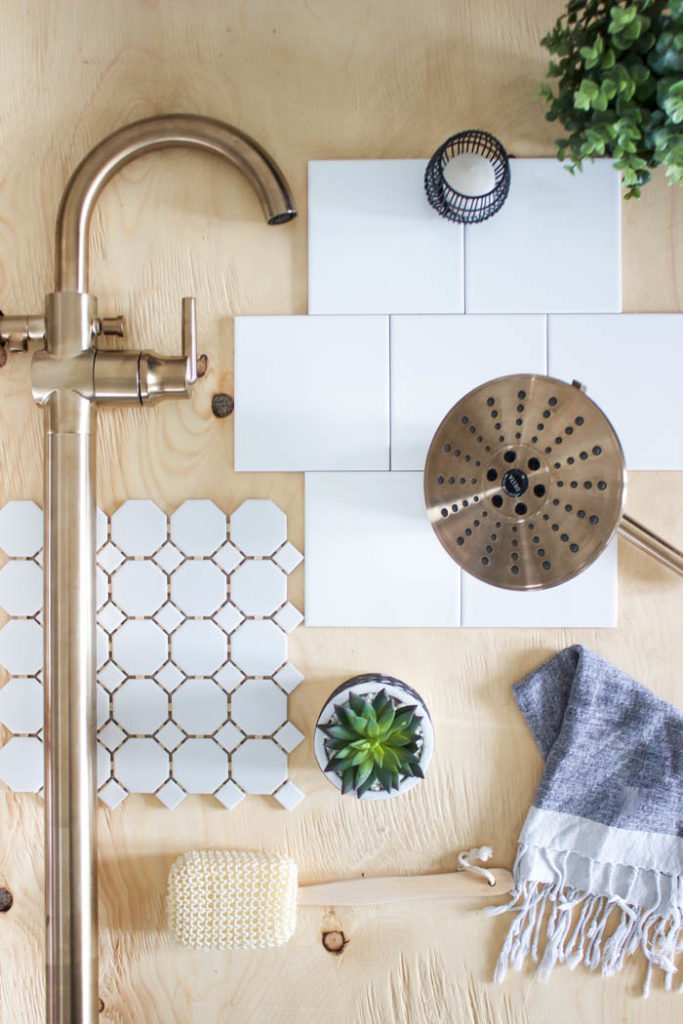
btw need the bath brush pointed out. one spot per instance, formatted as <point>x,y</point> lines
<point>227,899</point>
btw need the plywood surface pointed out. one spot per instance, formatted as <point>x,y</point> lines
<point>310,80</point>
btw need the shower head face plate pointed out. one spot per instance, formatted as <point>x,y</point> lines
<point>525,482</point>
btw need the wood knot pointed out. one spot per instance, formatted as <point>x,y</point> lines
<point>222,404</point>
<point>335,942</point>
<point>100,1005</point>
<point>6,900</point>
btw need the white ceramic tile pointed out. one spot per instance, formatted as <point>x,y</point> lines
<point>101,647</point>
<point>21,705</point>
<point>139,527</point>
<point>21,588</point>
<point>258,527</point>
<point>228,557</point>
<point>589,600</point>
<point>554,247</point>
<point>102,699</point>
<point>199,647</point>
<point>229,677</point>
<point>169,617</point>
<point>110,675</point>
<point>230,795</point>
<point>288,617</point>
<point>632,366</point>
<point>258,647</point>
<point>289,737</point>
<point>141,765</point>
<point>436,360</point>
<point>170,736</point>
<point>198,587</point>
<point>288,557</point>
<point>200,766</point>
<point>311,393</point>
<point>170,676</point>
<point>289,796</point>
<point>140,707</point>
<point>139,647</point>
<point>259,766</point>
<point>199,706</point>
<point>103,765</point>
<point>371,556</point>
<point>21,764</point>
<point>259,707</point>
<point>101,529</point>
<point>229,736</point>
<point>109,557</point>
<point>101,587</point>
<point>21,647</point>
<point>258,587</point>
<point>112,794</point>
<point>168,557</point>
<point>198,527</point>
<point>375,245</point>
<point>21,529</point>
<point>170,794</point>
<point>111,736</point>
<point>139,587</point>
<point>228,618</point>
<point>289,677</point>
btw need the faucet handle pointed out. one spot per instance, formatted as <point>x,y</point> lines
<point>22,333</point>
<point>189,337</point>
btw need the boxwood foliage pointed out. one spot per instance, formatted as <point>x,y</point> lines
<point>617,86</point>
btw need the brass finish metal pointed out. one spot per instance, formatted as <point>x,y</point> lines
<point>70,379</point>
<point>525,483</point>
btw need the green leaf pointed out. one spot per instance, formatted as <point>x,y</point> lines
<point>357,704</point>
<point>363,773</point>
<point>347,780</point>
<point>386,718</point>
<point>338,732</point>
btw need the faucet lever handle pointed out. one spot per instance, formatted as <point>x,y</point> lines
<point>189,336</point>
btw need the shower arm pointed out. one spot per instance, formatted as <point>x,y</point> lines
<point>70,379</point>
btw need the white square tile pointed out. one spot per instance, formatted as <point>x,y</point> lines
<point>288,617</point>
<point>371,556</point>
<point>632,366</point>
<point>170,795</point>
<point>589,600</point>
<point>111,736</point>
<point>311,393</point>
<point>112,794</point>
<point>288,558</point>
<point>435,360</point>
<point>289,677</point>
<point>555,247</point>
<point>229,736</point>
<point>289,737</point>
<point>375,245</point>
<point>289,796</point>
<point>170,736</point>
<point>230,795</point>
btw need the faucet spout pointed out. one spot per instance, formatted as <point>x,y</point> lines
<point>118,149</point>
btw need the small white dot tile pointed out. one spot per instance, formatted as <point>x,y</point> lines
<point>199,706</point>
<point>200,766</point>
<point>139,588</point>
<point>138,528</point>
<point>170,736</point>
<point>258,587</point>
<point>289,677</point>
<point>170,794</point>
<point>229,736</point>
<point>228,557</point>
<point>110,558</point>
<point>168,557</point>
<point>169,617</point>
<point>289,737</point>
<point>259,647</point>
<point>288,617</point>
<point>198,528</point>
<point>21,529</point>
<point>198,587</point>
<point>170,676</point>
<point>21,705</point>
<point>110,675</point>
<point>230,795</point>
<point>288,557</point>
<point>21,588</point>
<point>258,527</point>
<point>258,707</point>
<point>111,736</point>
<point>228,618</point>
<point>112,794</point>
<point>289,796</point>
<point>229,677</point>
<point>110,617</point>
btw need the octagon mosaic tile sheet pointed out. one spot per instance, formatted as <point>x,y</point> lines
<point>193,676</point>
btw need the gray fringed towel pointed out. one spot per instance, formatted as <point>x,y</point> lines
<point>599,867</point>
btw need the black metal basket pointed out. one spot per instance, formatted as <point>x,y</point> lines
<point>456,205</point>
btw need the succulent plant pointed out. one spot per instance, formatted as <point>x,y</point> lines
<point>618,66</point>
<point>373,741</point>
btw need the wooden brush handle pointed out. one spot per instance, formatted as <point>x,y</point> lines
<point>362,892</point>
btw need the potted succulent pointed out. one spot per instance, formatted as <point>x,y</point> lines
<point>618,66</point>
<point>374,737</point>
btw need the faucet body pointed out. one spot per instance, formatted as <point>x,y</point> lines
<point>71,379</point>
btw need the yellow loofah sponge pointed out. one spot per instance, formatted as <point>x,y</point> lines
<point>229,899</point>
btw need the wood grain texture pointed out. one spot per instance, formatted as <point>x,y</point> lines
<point>310,79</point>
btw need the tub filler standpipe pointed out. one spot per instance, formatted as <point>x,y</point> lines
<point>71,378</point>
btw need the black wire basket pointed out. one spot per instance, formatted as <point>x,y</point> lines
<point>457,206</point>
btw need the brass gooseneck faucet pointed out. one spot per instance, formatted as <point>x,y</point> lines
<point>71,378</point>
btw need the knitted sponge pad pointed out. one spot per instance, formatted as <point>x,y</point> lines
<point>228,899</point>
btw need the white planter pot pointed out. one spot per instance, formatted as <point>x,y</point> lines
<point>399,692</point>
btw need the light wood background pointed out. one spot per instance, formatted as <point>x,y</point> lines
<point>310,79</point>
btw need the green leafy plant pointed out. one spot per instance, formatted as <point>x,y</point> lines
<point>619,89</point>
<point>373,741</point>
